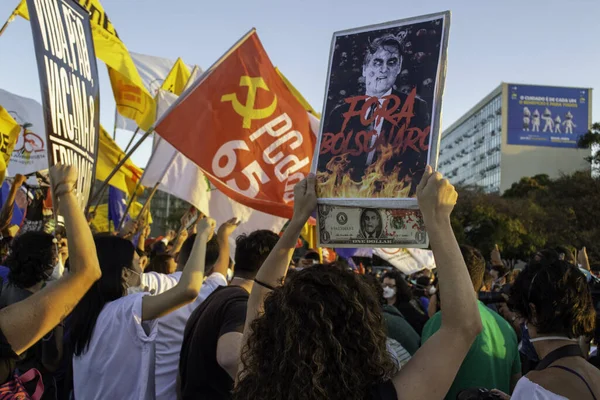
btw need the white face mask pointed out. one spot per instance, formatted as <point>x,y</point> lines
<point>432,290</point>
<point>135,289</point>
<point>57,271</point>
<point>388,292</point>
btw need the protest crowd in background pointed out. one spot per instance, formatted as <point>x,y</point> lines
<point>239,298</point>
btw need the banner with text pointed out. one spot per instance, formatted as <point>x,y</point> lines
<point>70,87</point>
<point>242,125</point>
<point>547,116</point>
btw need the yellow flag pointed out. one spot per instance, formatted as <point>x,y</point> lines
<point>21,10</point>
<point>178,77</point>
<point>102,224</point>
<point>9,131</point>
<point>131,96</point>
<point>109,154</point>
<point>298,95</point>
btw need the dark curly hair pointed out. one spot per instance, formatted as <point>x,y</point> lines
<point>321,336</point>
<point>31,258</point>
<point>561,296</point>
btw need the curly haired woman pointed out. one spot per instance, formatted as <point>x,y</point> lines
<point>322,336</point>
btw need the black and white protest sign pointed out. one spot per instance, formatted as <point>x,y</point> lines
<point>70,87</point>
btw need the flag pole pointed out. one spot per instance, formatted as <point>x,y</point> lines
<point>120,164</point>
<point>131,140</point>
<point>129,204</point>
<point>8,21</point>
<point>115,125</point>
<point>147,203</point>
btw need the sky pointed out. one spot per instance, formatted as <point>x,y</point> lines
<point>535,41</point>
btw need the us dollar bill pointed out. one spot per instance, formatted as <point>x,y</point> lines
<point>340,226</point>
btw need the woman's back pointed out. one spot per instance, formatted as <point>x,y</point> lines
<point>561,378</point>
<point>119,356</point>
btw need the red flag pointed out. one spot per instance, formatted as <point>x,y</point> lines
<point>245,129</point>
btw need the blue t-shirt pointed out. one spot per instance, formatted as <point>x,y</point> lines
<point>4,272</point>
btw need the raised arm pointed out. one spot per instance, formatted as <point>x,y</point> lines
<point>442,355</point>
<point>26,322</point>
<point>273,271</point>
<point>7,208</point>
<point>188,287</point>
<point>223,234</point>
<point>141,245</point>
<point>181,238</point>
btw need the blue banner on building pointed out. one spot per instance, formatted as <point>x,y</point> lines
<point>547,116</point>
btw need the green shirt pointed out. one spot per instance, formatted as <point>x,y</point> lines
<point>492,359</point>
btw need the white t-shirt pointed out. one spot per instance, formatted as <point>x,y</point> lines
<point>119,361</point>
<point>527,390</point>
<point>171,327</point>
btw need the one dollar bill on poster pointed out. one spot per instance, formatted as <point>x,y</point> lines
<point>68,73</point>
<point>340,226</point>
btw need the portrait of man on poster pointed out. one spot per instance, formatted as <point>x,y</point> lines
<point>371,224</point>
<point>384,109</point>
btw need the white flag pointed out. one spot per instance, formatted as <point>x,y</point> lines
<point>182,178</point>
<point>30,153</point>
<point>408,261</point>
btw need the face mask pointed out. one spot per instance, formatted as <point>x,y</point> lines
<point>134,289</point>
<point>57,271</point>
<point>388,292</point>
<point>432,290</point>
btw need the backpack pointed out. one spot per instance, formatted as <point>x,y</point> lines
<point>14,389</point>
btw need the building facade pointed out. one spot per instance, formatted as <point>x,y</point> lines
<point>517,131</point>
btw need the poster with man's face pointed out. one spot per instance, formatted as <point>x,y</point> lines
<point>380,124</point>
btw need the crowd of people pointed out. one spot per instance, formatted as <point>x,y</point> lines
<point>116,315</point>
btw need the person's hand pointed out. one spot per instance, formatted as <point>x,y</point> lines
<point>436,196</point>
<point>182,236</point>
<point>206,227</point>
<point>63,250</point>
<point>19,180</point>
<point>500,395</point>
<point>496,257</point>
<point>305,198</point>
<point>227,228</point>
<point>63,179</point>
<point>582,258</point>
<point>146,231</point>
<point>129,229</point>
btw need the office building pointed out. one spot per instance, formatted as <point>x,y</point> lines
<point>516,131</point>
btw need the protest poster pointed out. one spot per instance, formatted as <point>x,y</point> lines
<point>381,116</point>
<point>244,128</point>
<point>70,87</point>
<point>30,152</point>
<point>370,227</point>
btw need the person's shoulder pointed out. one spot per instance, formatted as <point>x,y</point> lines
<point>432,325</point>
<point>548,380</point>
<point>490,315</point>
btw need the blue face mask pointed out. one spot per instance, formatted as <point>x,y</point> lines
<point>526,347</point>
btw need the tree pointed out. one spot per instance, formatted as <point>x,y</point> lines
<point>535,213</point>
<point>591,140</point>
